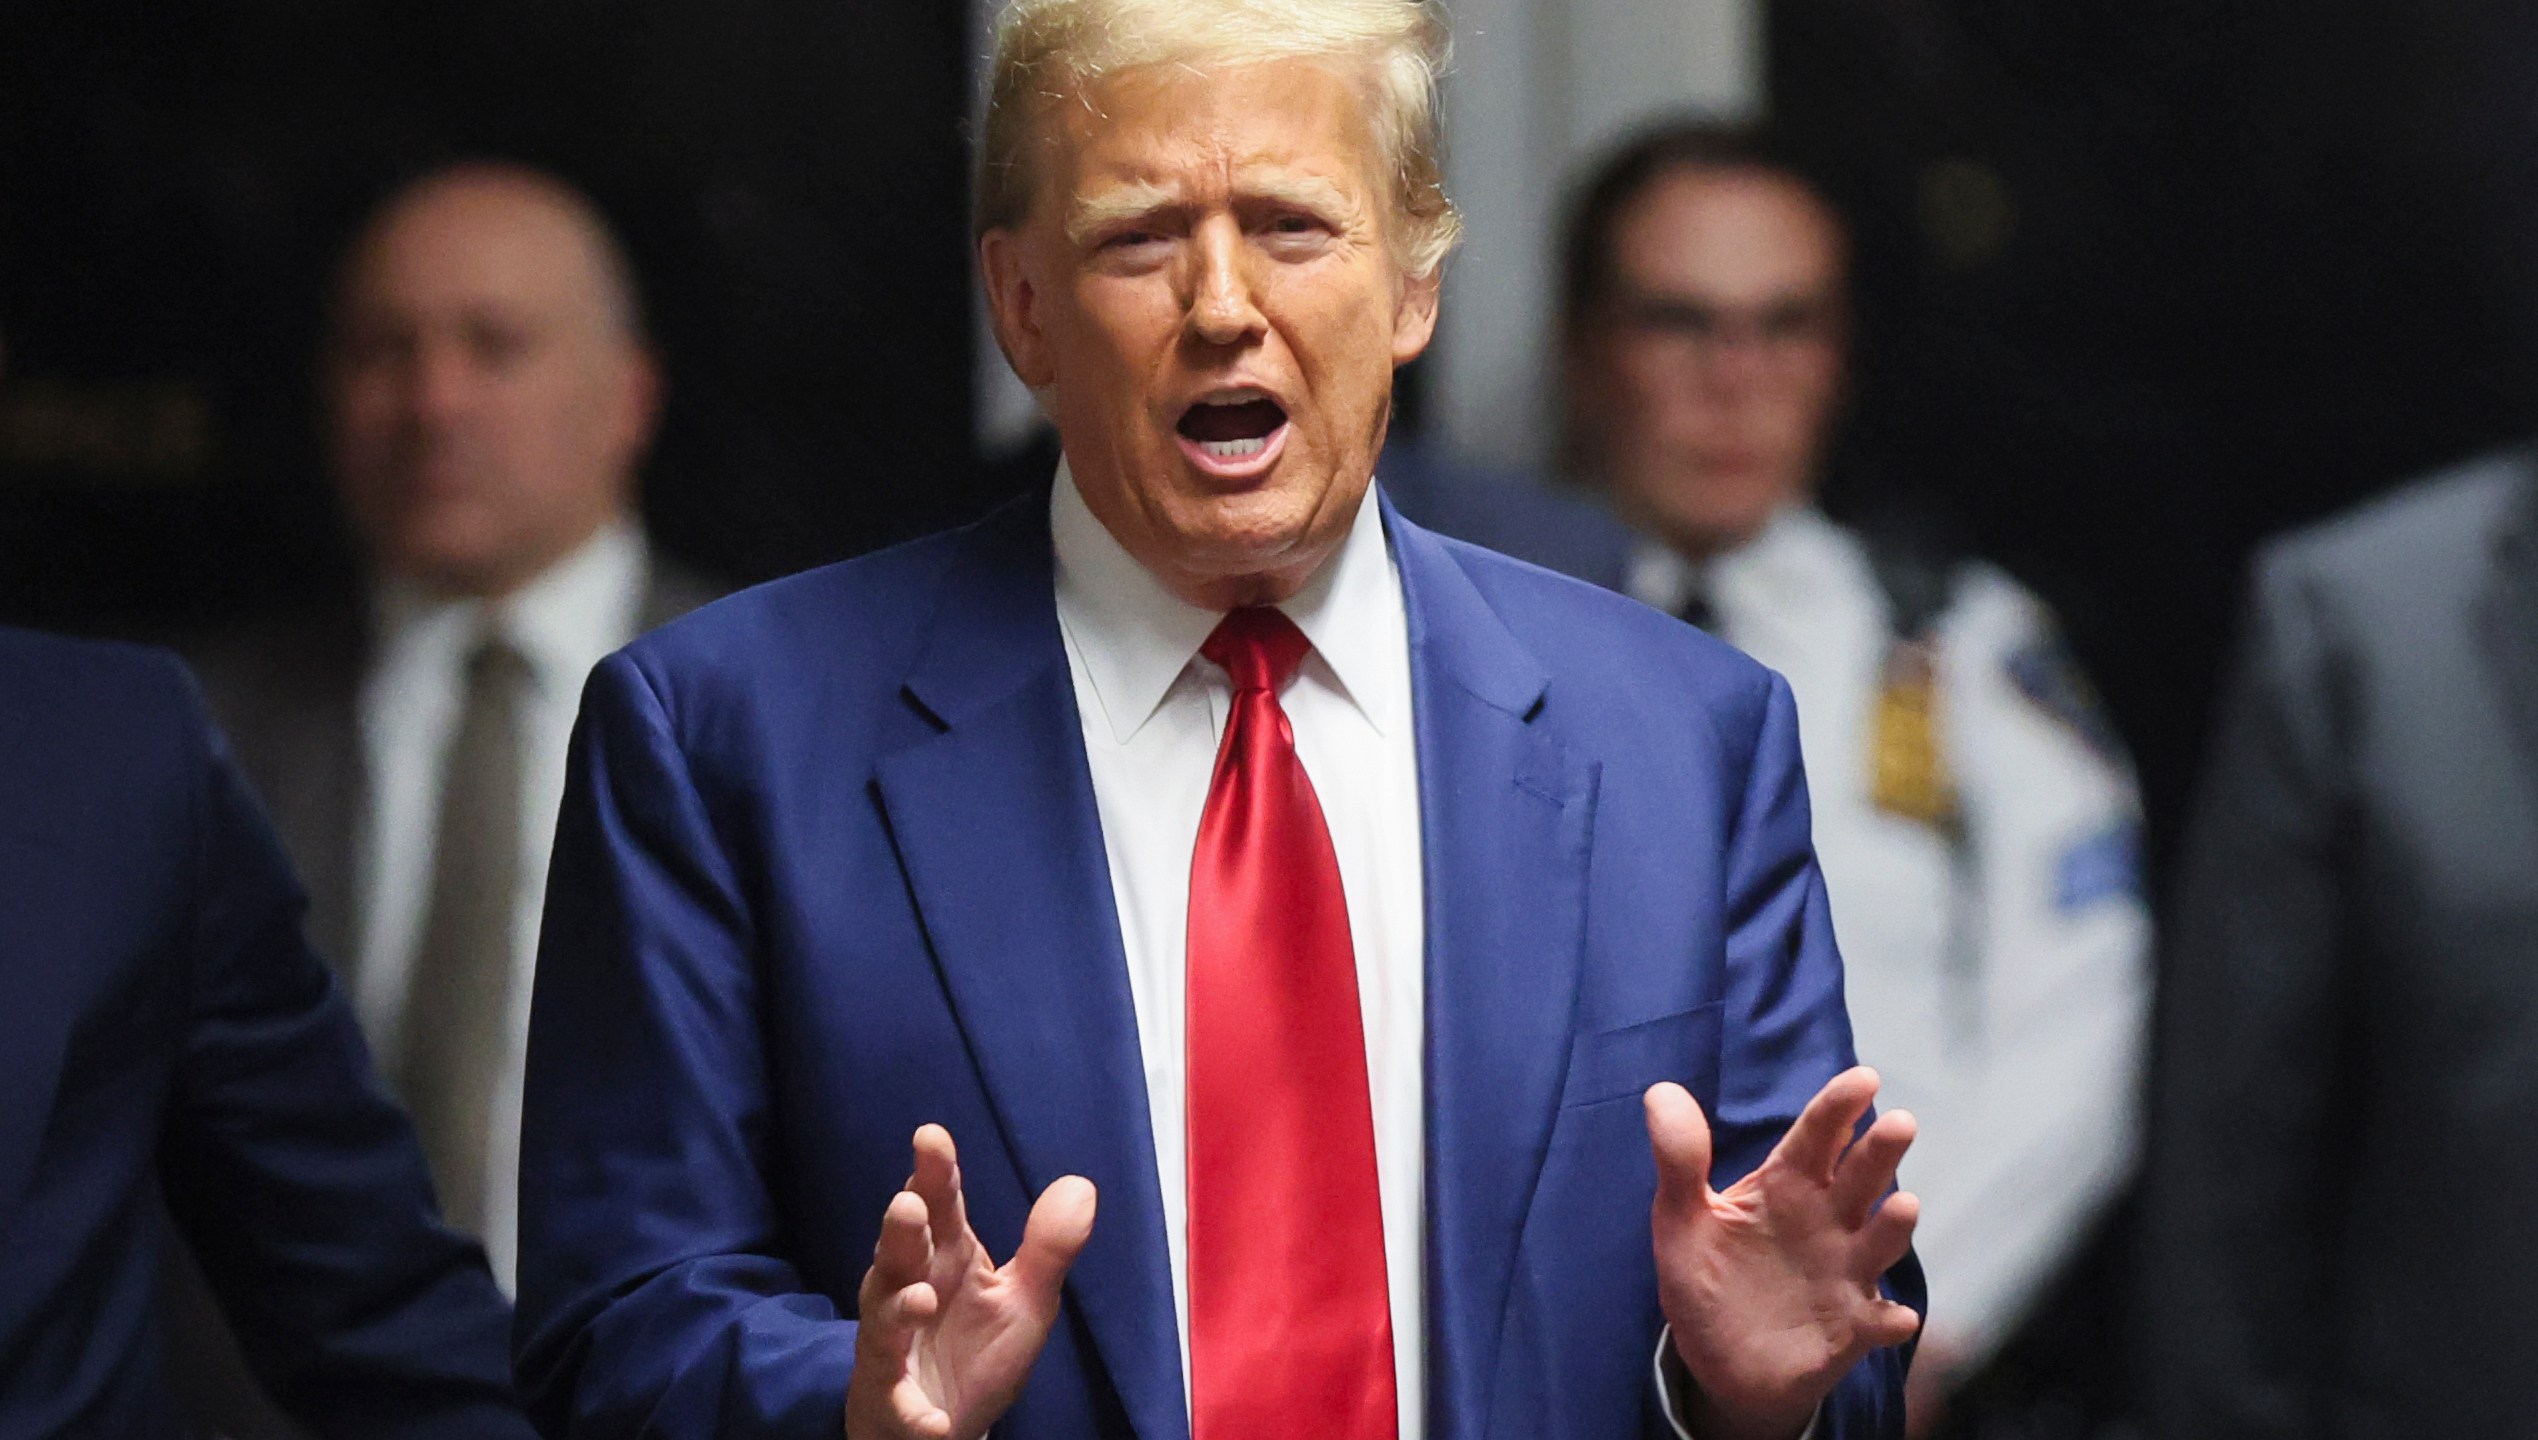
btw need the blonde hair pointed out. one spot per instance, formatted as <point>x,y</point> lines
<point>1048,50</point>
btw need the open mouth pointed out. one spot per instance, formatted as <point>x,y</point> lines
<point>1236,434</point>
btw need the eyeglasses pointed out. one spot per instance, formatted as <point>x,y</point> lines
<point>1775,330</point>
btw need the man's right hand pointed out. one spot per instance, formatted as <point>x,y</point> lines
<point>946,1337</point>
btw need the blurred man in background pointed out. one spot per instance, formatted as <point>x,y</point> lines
<point>1974,816</point>
<point>2343,1159</point>
<point>490,395</point>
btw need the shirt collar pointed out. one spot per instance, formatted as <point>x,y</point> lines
<point>564,621</point>
<point>1767,571</point>
<point>1135,637</point>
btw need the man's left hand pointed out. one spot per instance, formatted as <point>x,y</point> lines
<point>1771,1286</point>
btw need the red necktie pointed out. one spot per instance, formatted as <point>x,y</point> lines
<point>1290,1323</point>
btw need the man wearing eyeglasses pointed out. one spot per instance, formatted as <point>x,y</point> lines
<point>1974,816</point>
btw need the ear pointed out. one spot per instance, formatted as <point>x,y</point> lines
<point>1414,317</point>
<point>1013,307</point>
<point>640,393</point>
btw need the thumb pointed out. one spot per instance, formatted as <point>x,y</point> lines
<point>1680,1135</point>
<point>1061,1221</point>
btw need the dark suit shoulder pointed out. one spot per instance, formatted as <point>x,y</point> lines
<point>96,712</point>
<point>2432,532</point>
<point>824,651</point>
<point>671,590</point>
<point>1509,512</point>
<point>285,661</point>
<point>1601,646</point>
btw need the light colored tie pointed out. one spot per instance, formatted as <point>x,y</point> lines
<point>458,997</point>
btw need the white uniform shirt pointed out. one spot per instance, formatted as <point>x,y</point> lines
<point>1152,711</point>
<point>564,623</point>
<point>2019,1052</point>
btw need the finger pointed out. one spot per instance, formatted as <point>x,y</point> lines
<point>1889,1322</point>
<point>1867,1170</point>
<point>1825,1126</point>
<point>937,1181</point>
<point>1680,1135</point>
<point>902,1253</point>
<point>1888,1234</point>
<point>916,1411</point>
<point>902,1314</point>
<point>1061,1222</point>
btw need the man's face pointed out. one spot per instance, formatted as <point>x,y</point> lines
<point>488,398</point>
<point>1708,380</point>
<point>1205,294</point>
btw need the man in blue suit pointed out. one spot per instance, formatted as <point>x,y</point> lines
<point>166,1035</point>
<point>1395,942</point>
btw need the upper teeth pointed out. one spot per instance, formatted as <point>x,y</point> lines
<point>1234,449</point>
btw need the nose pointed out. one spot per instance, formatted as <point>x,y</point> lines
<point>1738,361</point>
<point>433,381</point>
<point>1223,309</point>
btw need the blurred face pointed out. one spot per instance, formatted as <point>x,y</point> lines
<point>1706,384</point>
<point>1205,294</point>
<point>489,399</point>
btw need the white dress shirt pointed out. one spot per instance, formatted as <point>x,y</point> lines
<point>2001,990</point>
<point>1152,711</point>
<point>563,623</point>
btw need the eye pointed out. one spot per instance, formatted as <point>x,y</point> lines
<point>1133,238</point>
<point>496,346</point>
<point>1296,225</point>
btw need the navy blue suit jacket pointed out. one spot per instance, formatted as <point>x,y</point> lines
<point>164,1031</point>
<point>830,868</point>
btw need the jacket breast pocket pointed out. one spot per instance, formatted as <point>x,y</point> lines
<point>1623,1063</point>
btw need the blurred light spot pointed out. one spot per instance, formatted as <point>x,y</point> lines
<point>1966,211</point>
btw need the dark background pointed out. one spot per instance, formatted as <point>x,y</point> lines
<point>2146,281</point>
<point>2141,283</point>
<point>176,177</point>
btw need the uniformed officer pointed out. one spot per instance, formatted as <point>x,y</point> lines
<point>1975,819</point>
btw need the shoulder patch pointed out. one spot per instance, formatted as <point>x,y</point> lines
<point>2099,867</point>
<point>2049,676</point>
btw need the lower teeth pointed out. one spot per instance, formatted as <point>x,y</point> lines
<point>1233,449</point>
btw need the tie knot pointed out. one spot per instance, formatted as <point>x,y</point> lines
<point>1258,646</point>
<point>496,661</point>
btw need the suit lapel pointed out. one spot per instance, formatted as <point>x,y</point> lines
<point>995,822</point>
<point>1505,815</point>
<point>2510,618</point>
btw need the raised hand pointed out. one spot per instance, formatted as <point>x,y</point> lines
<point>947,1337</point>
<point>1771,1286</point>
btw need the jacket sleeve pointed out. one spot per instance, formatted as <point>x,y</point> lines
<point>1786,1029</point>
<point>655,1297</point>
<point>297,1180</point>
<point>2254,1021</point>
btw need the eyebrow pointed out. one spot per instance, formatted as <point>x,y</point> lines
<point>1093,214</point>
